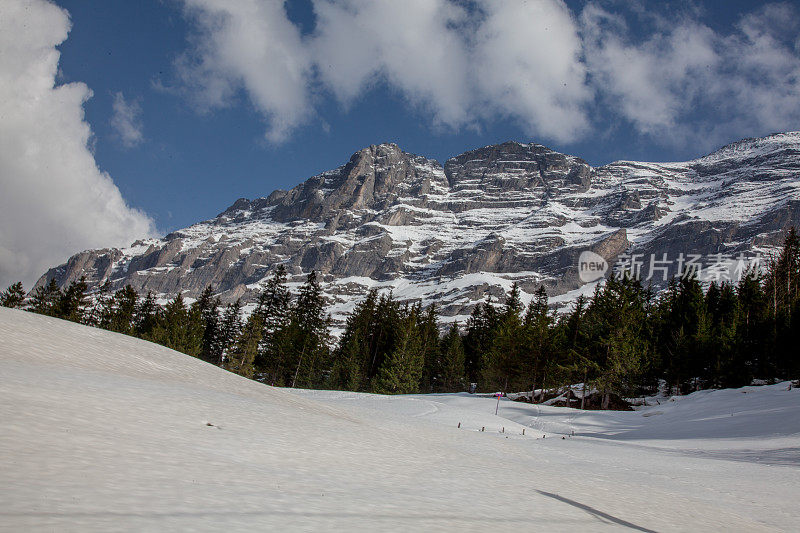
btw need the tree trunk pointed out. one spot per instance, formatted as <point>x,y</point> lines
<point>297,370</point>
<point>541,396</point>
<point>583,397</point>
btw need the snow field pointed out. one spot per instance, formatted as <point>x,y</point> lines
<point>103,432</point>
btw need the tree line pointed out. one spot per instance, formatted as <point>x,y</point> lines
<point>623,340</point>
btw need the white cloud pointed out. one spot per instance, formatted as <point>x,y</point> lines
<point>689,85</point>
<point>250,45</point>
<point>126,119</point>
<point>557,76</point>
<point>650,83</point>
<point>527,66</point>
<point>54,201</point>
<point>461,66</point>
<point>413,45</point>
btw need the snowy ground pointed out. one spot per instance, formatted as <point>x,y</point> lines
<point>102,432</point>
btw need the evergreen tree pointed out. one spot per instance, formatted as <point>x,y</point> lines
<point>244,351</point>
<point>452,372</point>
<point>570,344</point>
<point>73,301</point>
<point>402,369</point>
<point>45,299</point>
<point>173,329</point>
<point>723,318</point>
<point>538,337</point>
<point>145,317</point>
<point>346,372</point>
<point>274,305</point>
<point>617,337</point>
<point>513,305</point>
<point>383,335</point>
<point>506,365</point>
<point>13,296</point>
<point>481,328</point>
<point>230,329</point>
<point>355,348</point>
<point>123,308</point>
<point>205,325</point>
<point>782,287</point>
<point>101,306</point>
<point>754,327</point>
<point>427,325</point>
<point>307,334</point>
<point>682,317</point>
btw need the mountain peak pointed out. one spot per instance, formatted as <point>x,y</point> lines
<point>510,212</point>
<point>757,146</point>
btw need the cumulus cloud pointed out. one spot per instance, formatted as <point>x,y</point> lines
<point>55,201</point>
<point>126,119</point>
<point>687,84</point>
<point>249,45</point>
<point>458,65</point>
<point>528,67</point>
<point>559,74</point>
<point>414,45</point>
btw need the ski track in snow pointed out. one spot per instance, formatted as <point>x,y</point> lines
<point>103,432</point>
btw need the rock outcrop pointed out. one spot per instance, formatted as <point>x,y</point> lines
<point>456,233</point>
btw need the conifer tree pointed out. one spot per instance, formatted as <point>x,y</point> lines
<point>538,335</point>
<point>13,296</point>
<point>101,306</point>
<point>145,317</point>
<point>506,365</point>
<point>782,287</point>
<point>308,335</point>
<point>274,305</point>
<point>513,305</point>
<point>481,328</point>
<point>72,302</point>
<point>754,326</point>
<point>723,318</point>
<point>452,350</point>
<point>617,339</point>
<point>346,371</point>
<point>45,299</point>
<point>570,343</point>
<point>354,350</point>
<point>244,351</point>
<point>230,329</point>
<point>682,315</point>
<point>383,335</point>
<point>173,330</point>
<point>427,324</point>
<point>402,369</point>
<point>204,319</point>
<point>123,310</point>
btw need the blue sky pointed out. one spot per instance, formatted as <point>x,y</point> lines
<point>195,103</point>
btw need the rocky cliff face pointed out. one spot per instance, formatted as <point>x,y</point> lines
<point>453,235</point>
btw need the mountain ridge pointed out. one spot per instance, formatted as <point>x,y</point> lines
<point>452,234</point>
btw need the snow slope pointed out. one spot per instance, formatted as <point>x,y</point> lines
<point>103,432</point>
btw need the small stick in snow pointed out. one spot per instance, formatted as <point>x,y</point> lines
<point>459,425</point>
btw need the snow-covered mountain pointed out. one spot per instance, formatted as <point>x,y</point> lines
<point>456,233</point>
